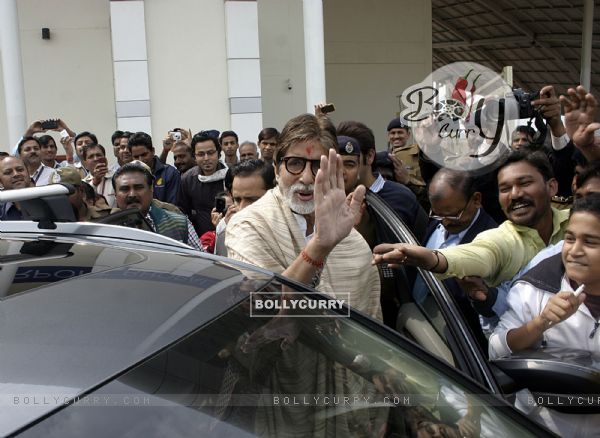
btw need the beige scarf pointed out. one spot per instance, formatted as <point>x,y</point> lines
<point>267,234</point>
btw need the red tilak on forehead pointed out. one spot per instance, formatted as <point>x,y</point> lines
<point>309,150</point>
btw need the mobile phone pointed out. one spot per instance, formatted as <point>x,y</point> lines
<point>220,205</point>
<point>329,108</point>
<point>103,160</point>
<point>49,124</point>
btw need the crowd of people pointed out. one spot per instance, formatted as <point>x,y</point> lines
<point>512,245</point>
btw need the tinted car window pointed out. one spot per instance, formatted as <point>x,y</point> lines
<point>61,338</point>
<point>303,374</point>
<point>31,264</point>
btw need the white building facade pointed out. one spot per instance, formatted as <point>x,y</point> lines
<point>154,65</point>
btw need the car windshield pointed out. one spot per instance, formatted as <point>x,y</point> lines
<point>74,315</point>
<point>300,373</point>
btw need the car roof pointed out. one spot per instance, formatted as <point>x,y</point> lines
<point>63,334</point>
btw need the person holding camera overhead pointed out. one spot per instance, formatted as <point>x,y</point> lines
<point>179,142</point>
<point>41,126</point>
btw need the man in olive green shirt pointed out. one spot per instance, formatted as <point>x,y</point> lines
<point>526,186</point>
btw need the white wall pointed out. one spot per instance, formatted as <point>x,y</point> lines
<point>187,66</point>
<point>281,58</point>
<point>374,49</point>
<point>70,75</point>
<point>4,146</point>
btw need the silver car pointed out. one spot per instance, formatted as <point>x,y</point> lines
<point>113,331</point>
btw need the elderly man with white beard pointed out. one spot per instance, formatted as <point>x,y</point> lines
<point>303,228</point>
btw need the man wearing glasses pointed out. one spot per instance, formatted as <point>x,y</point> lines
<point>303,228</point>
<point>526,185</point>
<point>456,217</point>
<point>201,184</point>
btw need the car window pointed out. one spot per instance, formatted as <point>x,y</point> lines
<point>310,372</point>
<point>419,316</point>
<point>29,264</point>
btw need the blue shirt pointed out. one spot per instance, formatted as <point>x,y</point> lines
<point>166,182</point>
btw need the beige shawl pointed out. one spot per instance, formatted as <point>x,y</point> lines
<point>267,234</point>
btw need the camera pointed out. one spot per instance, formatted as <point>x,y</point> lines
<point>514,105</point>
<point>220,205</point>
<point>523,99</point>
<point>175,135</point>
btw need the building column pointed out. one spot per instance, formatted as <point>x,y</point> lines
<point>12,68</point>
<point>130,65</point>
<point>243,68</point>
<point>314,53</point>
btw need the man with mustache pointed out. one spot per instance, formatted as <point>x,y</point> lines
<point>303,228</point>
<point>183,156</point>
<point>13,175</point>
<point>248,151</point>
<point>306,231</point>
<point>526,185</point>
<point>132,184</point>
<point>30,151</point>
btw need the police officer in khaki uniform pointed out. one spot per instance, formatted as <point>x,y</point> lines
<point>83,211</point>
<point>406,159</point>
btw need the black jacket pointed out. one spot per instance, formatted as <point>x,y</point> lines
<point>196,199</point>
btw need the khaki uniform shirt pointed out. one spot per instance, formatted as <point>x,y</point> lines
<point>409,154</point>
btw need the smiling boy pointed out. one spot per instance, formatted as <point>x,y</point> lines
<point>543,308</point>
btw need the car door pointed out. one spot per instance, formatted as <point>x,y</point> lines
<point>309,373</point>
<point>434,322</point>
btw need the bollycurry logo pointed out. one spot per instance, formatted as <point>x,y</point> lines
<point>462,116</point>
<point>298,305</point>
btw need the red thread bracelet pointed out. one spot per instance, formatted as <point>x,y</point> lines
<point>309,260</point>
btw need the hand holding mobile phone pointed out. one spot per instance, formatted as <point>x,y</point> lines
<point>49,124</point>
<point>329,108</point>
<point>220,205</point>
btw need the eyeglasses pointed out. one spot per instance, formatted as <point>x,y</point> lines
<point>206,154</point>
<point>296,165</point>
<point>449,218</point>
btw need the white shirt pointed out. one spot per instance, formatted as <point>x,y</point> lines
<point>525,302</point>
<point>377,184</point>
<point>439,239</point>
<point>41,177</point>
<point>105,188</point>
<point>303,226</point>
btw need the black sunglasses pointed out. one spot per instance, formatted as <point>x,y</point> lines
<point>296,165</point>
